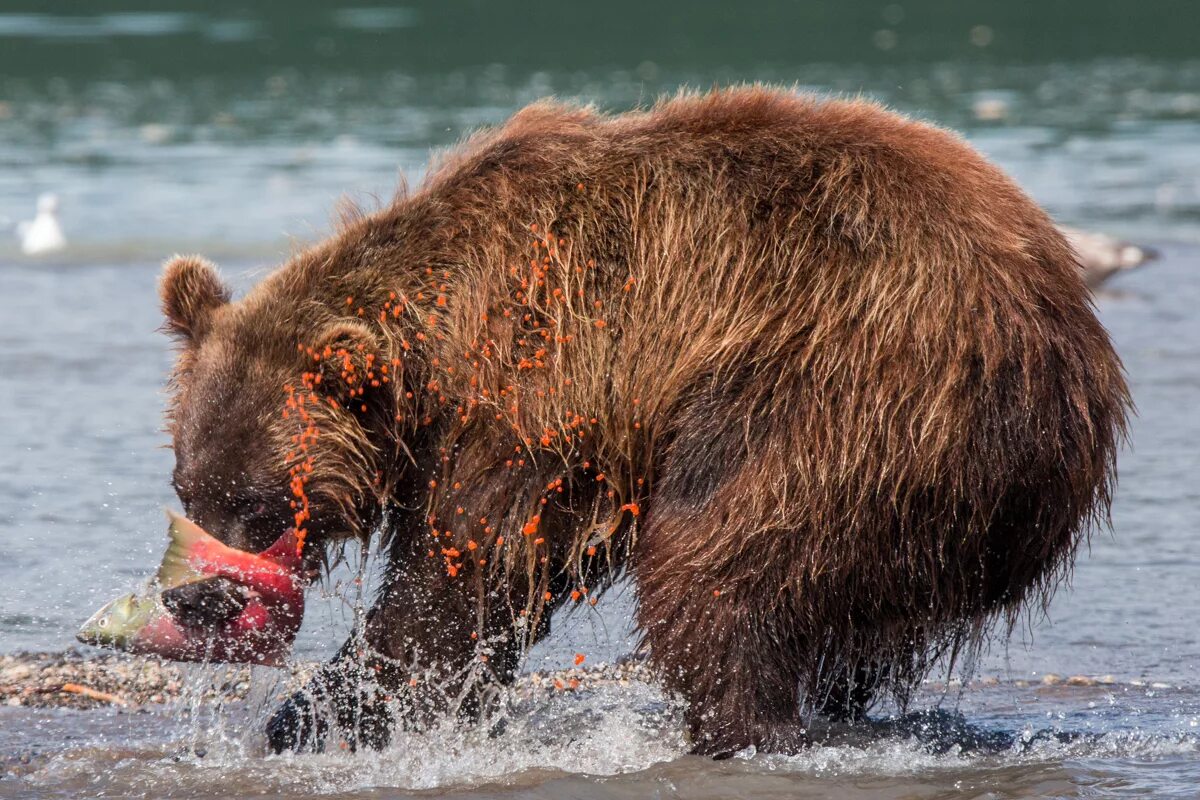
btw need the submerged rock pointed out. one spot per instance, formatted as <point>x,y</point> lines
<point>1101,256</point>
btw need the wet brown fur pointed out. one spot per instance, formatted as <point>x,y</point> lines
<point>848,404</point>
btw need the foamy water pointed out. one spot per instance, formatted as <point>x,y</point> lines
<point>626,741</point>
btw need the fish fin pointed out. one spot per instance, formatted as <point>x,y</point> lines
<point>285,551</point>
<point>176,568</point>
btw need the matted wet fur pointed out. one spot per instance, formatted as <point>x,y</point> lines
<point>824,381</point>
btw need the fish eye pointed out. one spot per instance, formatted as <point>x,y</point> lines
<point>102,622</point>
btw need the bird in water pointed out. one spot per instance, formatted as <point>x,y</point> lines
<point>1101,256</point>
<point>43,234</point>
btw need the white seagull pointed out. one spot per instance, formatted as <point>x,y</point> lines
<point>43,234</point>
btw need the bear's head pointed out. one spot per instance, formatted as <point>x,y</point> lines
<point>272,415</point>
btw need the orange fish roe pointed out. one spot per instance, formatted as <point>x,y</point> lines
<point>512,372</point>
<point>300,461</point>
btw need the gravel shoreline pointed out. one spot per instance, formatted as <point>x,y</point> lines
<point>72,679</point>
<point>76,680</point>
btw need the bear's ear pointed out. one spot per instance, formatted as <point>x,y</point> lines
<point>191,292</point>
<point>346,353</point>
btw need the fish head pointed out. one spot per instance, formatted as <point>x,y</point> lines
<point>118,623</point>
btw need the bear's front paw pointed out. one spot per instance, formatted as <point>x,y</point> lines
<point>339,701</point>
<point>296,725</point>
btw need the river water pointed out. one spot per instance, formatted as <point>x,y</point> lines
<point>244,159</point>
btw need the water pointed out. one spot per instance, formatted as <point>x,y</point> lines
<point>233,132</point>
<point>617,742</point>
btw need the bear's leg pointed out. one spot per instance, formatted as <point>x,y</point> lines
<point>459,633</point>
<point>430,648</point>
<point>719,638</point>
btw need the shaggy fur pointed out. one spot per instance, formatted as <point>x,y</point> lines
<point>823,380</point>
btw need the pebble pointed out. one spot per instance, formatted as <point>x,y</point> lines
<point>16,674</point>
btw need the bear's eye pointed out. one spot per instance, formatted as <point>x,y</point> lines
<point>250,508</point>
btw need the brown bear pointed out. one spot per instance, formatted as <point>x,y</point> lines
<point>820,379</point>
